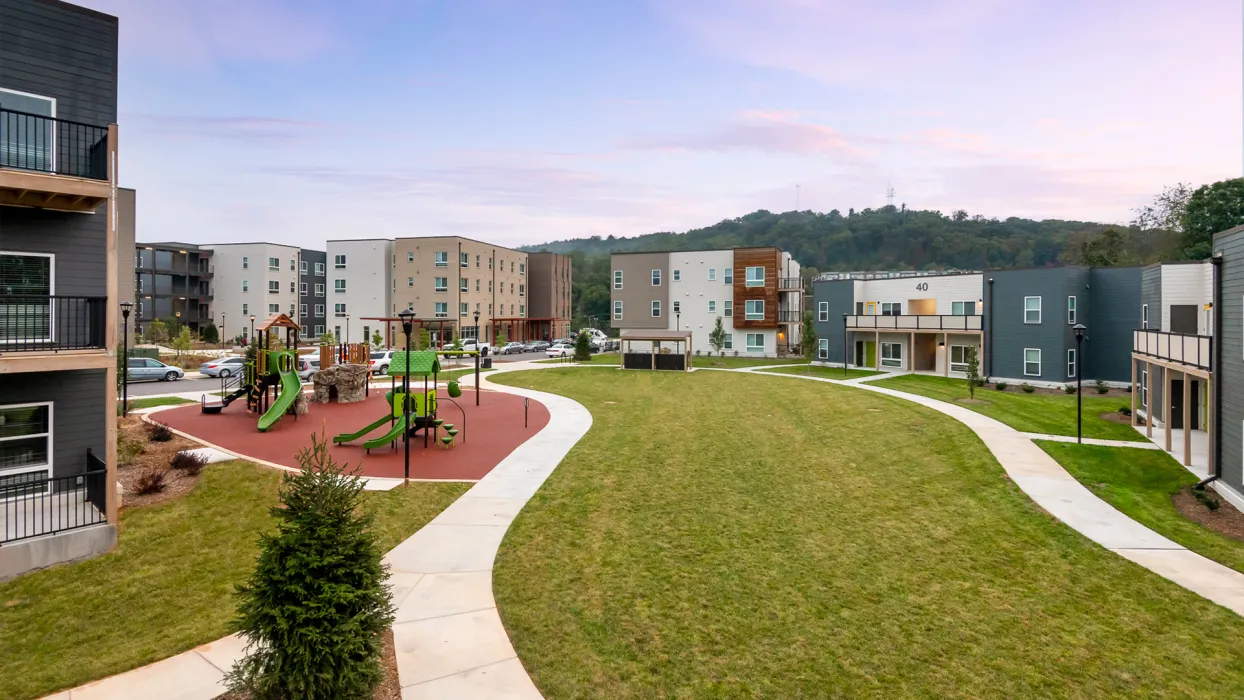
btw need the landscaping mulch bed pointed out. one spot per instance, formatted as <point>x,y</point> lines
<point>1225,521</point>
<point>389,688</point>
<point>133,432</point>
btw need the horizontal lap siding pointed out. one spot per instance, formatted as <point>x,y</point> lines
<point>78,415</point>
<point>1151,295</point>
<point>839,295</point>
<point>1010,335</point>
<point>1113,314</point>
<point>1232,369</point>
<point>77,240</point>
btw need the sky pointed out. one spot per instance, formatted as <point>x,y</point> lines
<point>525,121</point>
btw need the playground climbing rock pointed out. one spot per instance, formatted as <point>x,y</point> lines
<point>348,382</point>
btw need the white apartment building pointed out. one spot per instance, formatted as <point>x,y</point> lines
<point>254,279</point>
<point>359,285</point>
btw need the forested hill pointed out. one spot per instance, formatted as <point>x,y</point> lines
<point>888,238</point>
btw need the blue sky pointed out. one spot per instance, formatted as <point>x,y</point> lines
<point>521,122</point>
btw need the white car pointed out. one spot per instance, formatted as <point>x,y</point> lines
<point>483,348</point>
<point>380,361</point>
<point>560,350</point>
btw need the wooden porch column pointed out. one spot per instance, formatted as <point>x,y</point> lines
<point>1149,403</point>
<point>1135,390</point>
<point>1167,390</point>
<point>1187,420</point>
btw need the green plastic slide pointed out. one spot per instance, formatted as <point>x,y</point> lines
<point>291,386</point>
<point>348,437</point>
<point>399,426</point>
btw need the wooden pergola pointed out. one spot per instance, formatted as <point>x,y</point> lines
<point>680,360</point>
<point>527,328</point>
<point>393,328</point>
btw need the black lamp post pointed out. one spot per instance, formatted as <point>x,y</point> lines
<point>125,364</point>
<point>1079,328</point>
<point>347,338</point>
<point>222,330</point>
<point>477,351</point>
<point>677,321</point>
<point>406,315</point>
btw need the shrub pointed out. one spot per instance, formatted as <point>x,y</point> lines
<point>160,433</point>
<point>189,462</point>
<point>1206,498</point>
<point>1125,410</point>
<point>314,609</point>
<point>582,348</point>
<point>1101,387</point>
<point>1000,386</point>
<point>127,449</point>
<point>697,353</point>
<point>1069,388</point>
<point>736,353</point>
<point>151,480</point>
<point>1028,388</point>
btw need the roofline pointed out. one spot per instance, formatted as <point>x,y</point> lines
<point>168,244</point>
<point>473,240</point>
<point>80,9</point>
<point>356,240</point>
<point>1231,231</point>
<point>887,279</point>
<point>699,250</point>
<point>281,245</point>
<point>1063,266</point>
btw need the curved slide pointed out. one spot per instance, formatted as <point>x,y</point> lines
<point>291,386</point>
<point>399,426</point>
<point>348,437</point>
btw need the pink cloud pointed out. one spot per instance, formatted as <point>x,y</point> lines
<point>771,131</point>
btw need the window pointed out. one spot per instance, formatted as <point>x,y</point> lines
<point>464,259</point>
<point>729,344</point>
<point>293,287</point>
<point>656,278</point>
<point>617,311</point>
<point>822,349</point>
<point>464,284</point>
<point>755,277</point>
<point>511,287</point>
<point>477,284</point>
<point>754,310</point>
<point>319,330</point>
<point>490,286</point>
<point>477,261</point>
<point>274,308</point>
<point>442,309</point>
<point>712,274</point>
<point>339,310</point>
<point>656,309</point>
<point>339,262</point>
<point>319,310</point>
<point>246,263</point>
<point>1071,311</point>
<point>729,275</point>
<point>244,311</point>
<point>891,354</point>
<point>302,310</point>
<point>677,307</point>
<point>822,311</point>
<point>410,256</point>
<point>1144,387</point>
<point>511,309</point>
<point>274,287</point>
<point>617,279</point>
<point>442,284</point>
<point>463,310</point>
<point>139,288</point>
<point>522,269</point>
<point>442,258</point>
<point>319,269</point>
<point>962,308</point>
<point>712,307</point>
<point>522,311</point>
<point>410,281</point>
<point>245,286</point>
<point>319,289</point>
<point>274,264</point>
<point>291,310</point>
<point>755,342</point>
<point>1144,315</point>
<point>292,265</point>
<point>727,308</point>
<point>522,290</point>
<point>339,286</point>
<point>26,440</point>
<point>891,308</point>
<point>302,267</point>
<point>677,275</point>
<point>1071,362</point>
<point>490,309</point>
<point>302,288</point>
<point>1032,362</point>
<point>959,357</point>
<point>1032,309</point>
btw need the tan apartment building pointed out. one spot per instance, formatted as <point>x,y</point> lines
<point>548,289</point>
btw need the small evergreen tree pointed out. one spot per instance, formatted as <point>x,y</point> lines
<point>210,334</point>
<point>808,339</point>
<point>502,339</point>
<point>425,339</point>
<point>316,606</point>
<point>717,337</point>
<point>582,348</point>
<point>328,338</point>
<point>974,371</point>
<point>377,340</point>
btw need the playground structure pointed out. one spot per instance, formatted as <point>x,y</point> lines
<point>344,354</point>
<point>412,412</point>
<point>270,382</point>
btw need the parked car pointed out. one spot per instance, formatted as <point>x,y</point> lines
<point>140,368</point>
<point>482,347</point>
<point>560,350</point>
<point>223,367</point>
<point>380,361</point>
<point>539,346</point>
<point>512,348</point>
<point>307,367</point>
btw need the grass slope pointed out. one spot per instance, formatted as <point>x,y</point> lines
<point>1051,414</point>
<point>1140,483</point>
<point>168,586</point>
<point>842,544</point>
<point>138,403</point>
<point>825,372</point>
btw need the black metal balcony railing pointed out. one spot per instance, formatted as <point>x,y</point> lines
<point>31,323</point>
<point>790,283</point>
<point>50,145</point>
<point>34,504</point>
<point>1193,350</point>
<point>914,322</point>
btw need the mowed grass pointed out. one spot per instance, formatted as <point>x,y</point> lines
<point>823,542</point>
<point>459,373</point>
<point>154,401</point>
<point>1140,483</point>
<point>825,372</point>
<point>728,362</point>
<point>168,586</point>
<point>1050,414</point>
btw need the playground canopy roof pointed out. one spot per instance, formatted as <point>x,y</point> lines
<point>279,321</point>
<point>655,335</point>
<point>422,364</point>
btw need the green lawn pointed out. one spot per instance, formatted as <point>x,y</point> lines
<point>1051,414</point>
<point>823,542</point>
<point>138,403</point>
<point>1140,483</point>
<point>728,362</point>
<point>457,373</point>
<point>168,586</point>
<point>825,372</point>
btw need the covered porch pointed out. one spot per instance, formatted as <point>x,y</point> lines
<point>1177,402</point>
<point>941,353</point>
<point>652,354</point>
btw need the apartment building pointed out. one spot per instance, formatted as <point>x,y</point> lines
<point>549,280</point>
<point>359,288</point>
<point>756,292</point>
<point>172,282</point>
<point>312,292</point>
<point>253,279</point>
<point>59,296</point>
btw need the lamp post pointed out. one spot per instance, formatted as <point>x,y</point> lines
<point>477,351</point>
<point>347,338</point>
<point>678,320</point>
<point>1079,329</point>
<point>125,364</point>
<point>252,336</point>
<point>177,325</point>
<point>406,315</point>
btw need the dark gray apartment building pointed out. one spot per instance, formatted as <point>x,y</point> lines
<point>172,283</point>
<point>59,273</point>
<point>311,272</point>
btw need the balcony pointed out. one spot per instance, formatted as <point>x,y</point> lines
<point>33,323</point>
<point>53,163</point>
<point>32,504</point>
<point>1180,348</point>
<point>789,317</point>
<point>932,322</point>
<point>790,284</point>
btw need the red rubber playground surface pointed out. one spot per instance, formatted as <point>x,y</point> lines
<point>492,430</point>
